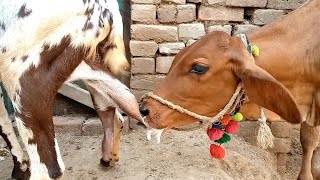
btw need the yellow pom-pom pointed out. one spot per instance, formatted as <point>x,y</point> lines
<point>237,117</point>
<point>255,51</point>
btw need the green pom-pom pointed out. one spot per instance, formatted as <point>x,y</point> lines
<point>225,138</point>
<point>255,51</point>
<point>237,117</point>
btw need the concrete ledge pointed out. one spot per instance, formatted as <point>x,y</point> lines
<point>68,124</point>
<point>76,93</point>
<point>80,126</point>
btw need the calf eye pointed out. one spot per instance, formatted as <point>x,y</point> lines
<point>199,69</point>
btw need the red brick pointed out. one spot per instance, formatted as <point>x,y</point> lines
<point>143,48</point>
<point>221,14</point>
<point>163,64</point>
<point>171,48</point>
<point>191,31</point>
<point>145,82</point>
<point>176,1</point>
<point>281,129</point>
<point>167,13</point>
<point>143,65</point>
<point>146,1</point>
<point>143,13</point>
<point>247,3</point>
<point>186,13</point>
<point>158,33</point>
<point>281,145</point>
<point>287,4</point>
<point>265,16</point>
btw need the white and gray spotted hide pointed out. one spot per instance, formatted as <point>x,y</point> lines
<point>30,32</point>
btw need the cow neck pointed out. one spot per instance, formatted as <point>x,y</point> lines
<point>284,42</point>
<point>265,137</point>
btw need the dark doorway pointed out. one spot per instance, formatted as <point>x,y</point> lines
<point>125,8</point>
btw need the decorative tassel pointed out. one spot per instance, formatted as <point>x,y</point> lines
<point>232,127</point>
<point>225,138</point>
<point>255,51</point>
<point>217,151</point>
<point>265,137</point>
<point>225,119</point>
<point>214,134</point>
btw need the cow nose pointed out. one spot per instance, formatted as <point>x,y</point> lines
<point>144,110</point>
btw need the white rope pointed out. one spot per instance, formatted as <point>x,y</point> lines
<point>180,109</point>
<point>265,137</point>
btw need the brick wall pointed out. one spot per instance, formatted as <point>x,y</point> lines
<point>160,28</point>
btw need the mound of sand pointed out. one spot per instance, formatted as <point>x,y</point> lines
<point>180,155</point>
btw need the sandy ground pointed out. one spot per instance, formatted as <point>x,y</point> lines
<point>180,155</point>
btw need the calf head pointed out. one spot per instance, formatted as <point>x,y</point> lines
<point>204,76</point>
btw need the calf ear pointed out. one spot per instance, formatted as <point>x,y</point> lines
<point>262,88</point>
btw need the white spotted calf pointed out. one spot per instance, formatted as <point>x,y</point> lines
<point>42,45</point>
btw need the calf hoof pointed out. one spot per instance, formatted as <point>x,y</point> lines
<point>18,174</point>
<point>104,163</point>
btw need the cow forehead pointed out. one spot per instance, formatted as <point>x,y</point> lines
<point>210,46</point>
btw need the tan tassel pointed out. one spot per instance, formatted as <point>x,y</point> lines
<point>265,137</point>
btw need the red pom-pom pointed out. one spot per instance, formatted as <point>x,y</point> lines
<point>232,127</point>
<point>217,151</point>
<point>215,133</point>
<point>225,119</point>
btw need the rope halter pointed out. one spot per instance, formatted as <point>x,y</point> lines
<point>231,105</point>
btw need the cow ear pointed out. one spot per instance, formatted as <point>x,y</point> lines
<point>261,87</point>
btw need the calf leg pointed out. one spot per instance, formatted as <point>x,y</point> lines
<point>111,125</point>
<point>20,169</point>
<point>20,161</point>
<point>111,139</point>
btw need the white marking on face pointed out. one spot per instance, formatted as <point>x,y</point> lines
<point>59,158</point>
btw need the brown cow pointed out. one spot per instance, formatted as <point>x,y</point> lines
<point>44,44</point>
<point>284,78</point>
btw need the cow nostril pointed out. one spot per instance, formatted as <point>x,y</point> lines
<point>144,110</point>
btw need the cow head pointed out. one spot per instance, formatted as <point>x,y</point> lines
<point>204,76</point>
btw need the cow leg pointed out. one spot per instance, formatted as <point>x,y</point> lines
<point>309,137</point>
<point>316,164</point>
<point>111,125</point>
<point>20,161</point>
<point>32,93</point>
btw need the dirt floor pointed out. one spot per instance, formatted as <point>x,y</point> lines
<point>180,155</point>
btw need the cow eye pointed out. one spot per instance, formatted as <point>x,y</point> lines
<point>199,69</point>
